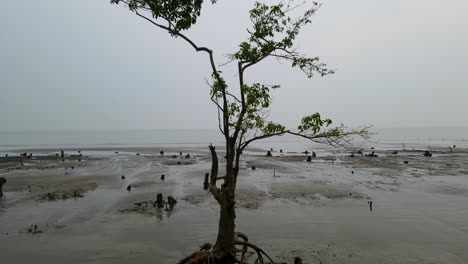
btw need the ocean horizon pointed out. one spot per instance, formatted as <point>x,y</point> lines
<point>380,137</point>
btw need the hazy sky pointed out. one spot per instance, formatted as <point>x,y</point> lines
<point>89,65</point>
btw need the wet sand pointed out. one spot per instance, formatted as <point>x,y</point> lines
<point>290,207</point>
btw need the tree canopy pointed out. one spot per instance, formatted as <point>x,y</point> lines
<point>272,35</point>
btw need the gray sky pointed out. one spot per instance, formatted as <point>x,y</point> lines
<point>89,65</point>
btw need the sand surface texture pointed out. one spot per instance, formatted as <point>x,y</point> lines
<point>78,210</point>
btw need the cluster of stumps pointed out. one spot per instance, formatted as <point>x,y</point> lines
<point>160,203</point>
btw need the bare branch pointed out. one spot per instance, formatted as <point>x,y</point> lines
<point>231,59</point>
<point>294,7</point>
<point>212,63</point>
<point>246,143</point>
<point>234,97</point>
<point>219,121</point>
<point>216,103</point>
<point>342,140</point>
<point>177,33</point>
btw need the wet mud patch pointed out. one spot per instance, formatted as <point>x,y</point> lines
<point>452,190</point>
<point>388,185</point>
<point>45,162</point>
<point>158,207</point>
<point>265,163</point>
<point>63,192</point>
<point>36,229</point>
<point>146,208</point>
<point>415,165</point>
<point>179,161</point>
<point>313,190</point>
<point>197,198</point>
<point>325,254</point>
<point>249,197</point>
<point>149,183</point>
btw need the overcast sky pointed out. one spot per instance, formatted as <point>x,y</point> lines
<point>90,65</point>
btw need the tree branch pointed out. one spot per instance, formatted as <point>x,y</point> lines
<point>243,103</point>
<point>234,97</point>
<point>212,63</point>
<point>214,165</point>
<point>219,122</point>
<point>340,140</point>
<point>216,103</point>
<point>177,33</point>
<point>246,143</point>
<point>214,175</point>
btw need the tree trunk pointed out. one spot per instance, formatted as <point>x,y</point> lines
<point>226,231</point>
<point>225,241</point>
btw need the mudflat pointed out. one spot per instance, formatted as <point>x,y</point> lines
<point>77,209</point>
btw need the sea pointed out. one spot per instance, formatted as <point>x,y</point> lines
<point>379,138</point>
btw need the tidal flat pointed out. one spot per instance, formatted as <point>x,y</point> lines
<point>78,210</point>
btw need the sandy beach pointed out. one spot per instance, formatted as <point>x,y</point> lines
<point>78,210</point>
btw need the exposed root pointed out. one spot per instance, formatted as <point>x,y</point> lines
<point>248,253</point>
<point>204,257</point>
